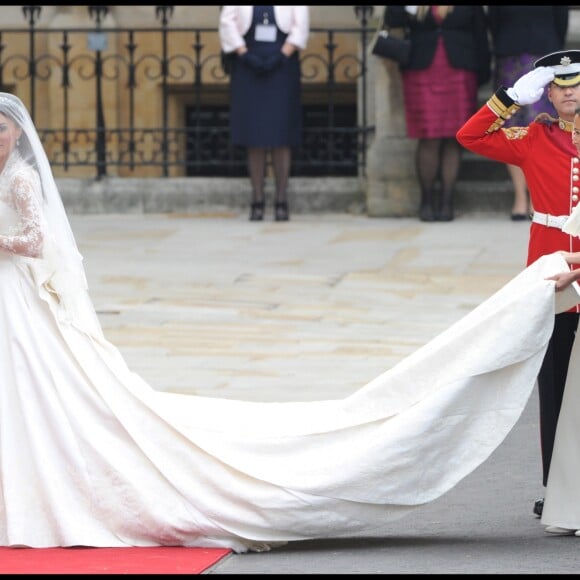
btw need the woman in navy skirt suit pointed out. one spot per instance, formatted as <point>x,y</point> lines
<point>265,91</point>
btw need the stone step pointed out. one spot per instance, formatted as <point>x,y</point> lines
<point>475,167</point>
<point>308,195</point>
<point>202,195</point>
<point>490,196</point>
<point>483,185</point>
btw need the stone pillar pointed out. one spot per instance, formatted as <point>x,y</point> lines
<point>392,187</point>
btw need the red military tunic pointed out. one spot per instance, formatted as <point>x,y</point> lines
<point>544,151</point>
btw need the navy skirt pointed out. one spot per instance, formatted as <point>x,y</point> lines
<point>266,110</point>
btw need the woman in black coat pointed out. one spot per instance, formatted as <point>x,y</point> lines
<point>450,58</point>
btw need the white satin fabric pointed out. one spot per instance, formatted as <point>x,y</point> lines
<point>572,227</point>
<point>562,498</point>
<point>91,455</point>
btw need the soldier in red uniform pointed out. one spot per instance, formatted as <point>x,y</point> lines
<point>550,162</point>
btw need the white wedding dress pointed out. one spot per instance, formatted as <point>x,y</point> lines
<point>562,500</point>
<point>92,455</point>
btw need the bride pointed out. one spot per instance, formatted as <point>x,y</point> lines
<point>92,455</point>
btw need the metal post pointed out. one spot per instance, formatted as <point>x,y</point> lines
<point>98,42</point>
<point>164,13</point>
<point>32,14</point>
<point>363,13</point>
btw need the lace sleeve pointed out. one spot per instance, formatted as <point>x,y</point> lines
<point>24,239</point>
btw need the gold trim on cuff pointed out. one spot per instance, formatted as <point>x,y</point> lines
<point>503,112</point>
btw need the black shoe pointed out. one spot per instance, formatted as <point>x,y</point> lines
<point>281,213</point>
<point>257,211</point>
<point>538,507</point>
<point>426,213</point>
<point>446,214</point>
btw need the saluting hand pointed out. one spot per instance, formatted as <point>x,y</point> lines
<point>529,88</point>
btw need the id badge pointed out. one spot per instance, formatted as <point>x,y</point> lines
<point>265,33</point>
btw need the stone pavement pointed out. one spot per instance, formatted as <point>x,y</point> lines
<point>313,309</point>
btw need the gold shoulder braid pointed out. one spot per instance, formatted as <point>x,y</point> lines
<point>515,133</point>
<point>547,119</point>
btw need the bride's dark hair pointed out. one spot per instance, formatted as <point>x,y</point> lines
<point>23,144</point>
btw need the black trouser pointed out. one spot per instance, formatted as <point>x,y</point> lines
<point>551,382</point>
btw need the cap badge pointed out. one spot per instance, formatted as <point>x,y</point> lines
<point>565,61</point>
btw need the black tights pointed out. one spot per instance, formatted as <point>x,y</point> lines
<point>281,160</point>
<point>437,158</point>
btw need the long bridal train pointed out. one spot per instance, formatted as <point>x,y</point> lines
<point>92,455</point>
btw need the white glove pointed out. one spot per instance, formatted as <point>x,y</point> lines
<point>529,88</point>
<point>412,10</point>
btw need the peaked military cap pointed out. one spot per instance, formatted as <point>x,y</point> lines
<point>566,65</point>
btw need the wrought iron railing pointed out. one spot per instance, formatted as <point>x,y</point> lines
<point>112,101</point>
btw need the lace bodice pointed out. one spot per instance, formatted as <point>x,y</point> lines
<point>20,209</point>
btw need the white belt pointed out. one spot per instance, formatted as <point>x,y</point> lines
<point>550,221</point>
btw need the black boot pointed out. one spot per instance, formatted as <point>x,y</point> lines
<point>281,213</point>
<point>446,213</point>
<point>538,507</point>
<point>257,211</point>
<point>426,210</point>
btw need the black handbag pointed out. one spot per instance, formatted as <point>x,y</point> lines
<point>226,61</point>
<point>389,46</point>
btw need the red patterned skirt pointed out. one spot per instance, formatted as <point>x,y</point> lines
<point>439,99</point>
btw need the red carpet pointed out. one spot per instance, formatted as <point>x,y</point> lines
<point>166,560</point>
